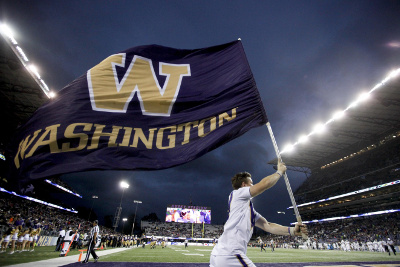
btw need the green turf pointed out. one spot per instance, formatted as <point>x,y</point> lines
<point>177,254</point>
<point>40,253</point>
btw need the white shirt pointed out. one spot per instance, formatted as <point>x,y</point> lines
<point>68,235</point>
<point>95,229</point>
<point>62,233</point>
<point>239,226</point>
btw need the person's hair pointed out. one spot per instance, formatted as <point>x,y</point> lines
<point>239,178</point>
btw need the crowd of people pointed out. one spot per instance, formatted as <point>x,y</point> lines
<point>22,222</point>
<point>184,230</point>
<point>356,234</point>
<point>322,235</point>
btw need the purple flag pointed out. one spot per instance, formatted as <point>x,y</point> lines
<point>146,108</point>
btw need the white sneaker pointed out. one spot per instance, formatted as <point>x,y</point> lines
<point>12,252</point>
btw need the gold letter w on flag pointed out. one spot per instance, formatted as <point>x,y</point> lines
<point>109,94</point>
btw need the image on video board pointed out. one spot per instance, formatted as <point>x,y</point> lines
<point>183,215</point>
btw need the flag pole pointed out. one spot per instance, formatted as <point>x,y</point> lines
<point>296,211</point>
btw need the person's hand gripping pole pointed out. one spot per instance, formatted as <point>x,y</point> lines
<point>296,211</point>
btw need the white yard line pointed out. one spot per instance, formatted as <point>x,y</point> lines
<point>67,260</point>
<point>189,254</point>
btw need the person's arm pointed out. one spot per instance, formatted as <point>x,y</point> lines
<point>278,229</point>
<point>269,181</point>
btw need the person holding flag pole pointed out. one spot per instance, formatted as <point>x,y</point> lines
<point>288,187</point>
<point>232,245</point>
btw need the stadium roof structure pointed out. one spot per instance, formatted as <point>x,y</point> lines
<point>360,127</point>
<point>381,198</point>
<point>21,93</point>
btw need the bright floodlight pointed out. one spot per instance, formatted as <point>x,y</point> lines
<point>124,219</point>
<point>124,184</point>
<point>338,115</point>
<point>52,94</point>
<point>393,73</point>
<point>288,148</point>
<point>319,128</point>
<point>363,97</point>
<point>303,139</point>
<point>7,31</point>
<point>34,70</point>
<point>353,104</point>
<point>21,52</point>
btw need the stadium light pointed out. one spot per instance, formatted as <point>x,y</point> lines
<point>349,194</point>
<point>134,219</point>
<point>303,139</point>
<point>123,225</point>
<point>393,74</point>
<point>288,148</point>
<point>8,35</point>
<point>364,96</point>
<point>124,184</point>
<point>36,200</point>
<point>52,94</point>
<point>21,52</point>
<point>319,128</point>
<point>360,99</point>
<point>62,188</point>
<point>351,216</point>
<point>338,115</point>
<point>34,69</point>
<point>6,30</point>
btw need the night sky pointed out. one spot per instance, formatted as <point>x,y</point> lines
<point>309,59</point>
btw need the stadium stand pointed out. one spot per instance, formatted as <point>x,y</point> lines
<point>181,230</point>
<point>358,159</point>
<point>22,92</point>
<point>380,227</point>
<point>16,211</point>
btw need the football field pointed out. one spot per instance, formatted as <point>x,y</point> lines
<point>200,256</point>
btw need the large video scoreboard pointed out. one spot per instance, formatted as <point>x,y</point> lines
<point>188,214</point>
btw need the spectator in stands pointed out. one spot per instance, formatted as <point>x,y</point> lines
<point>232,245</point>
